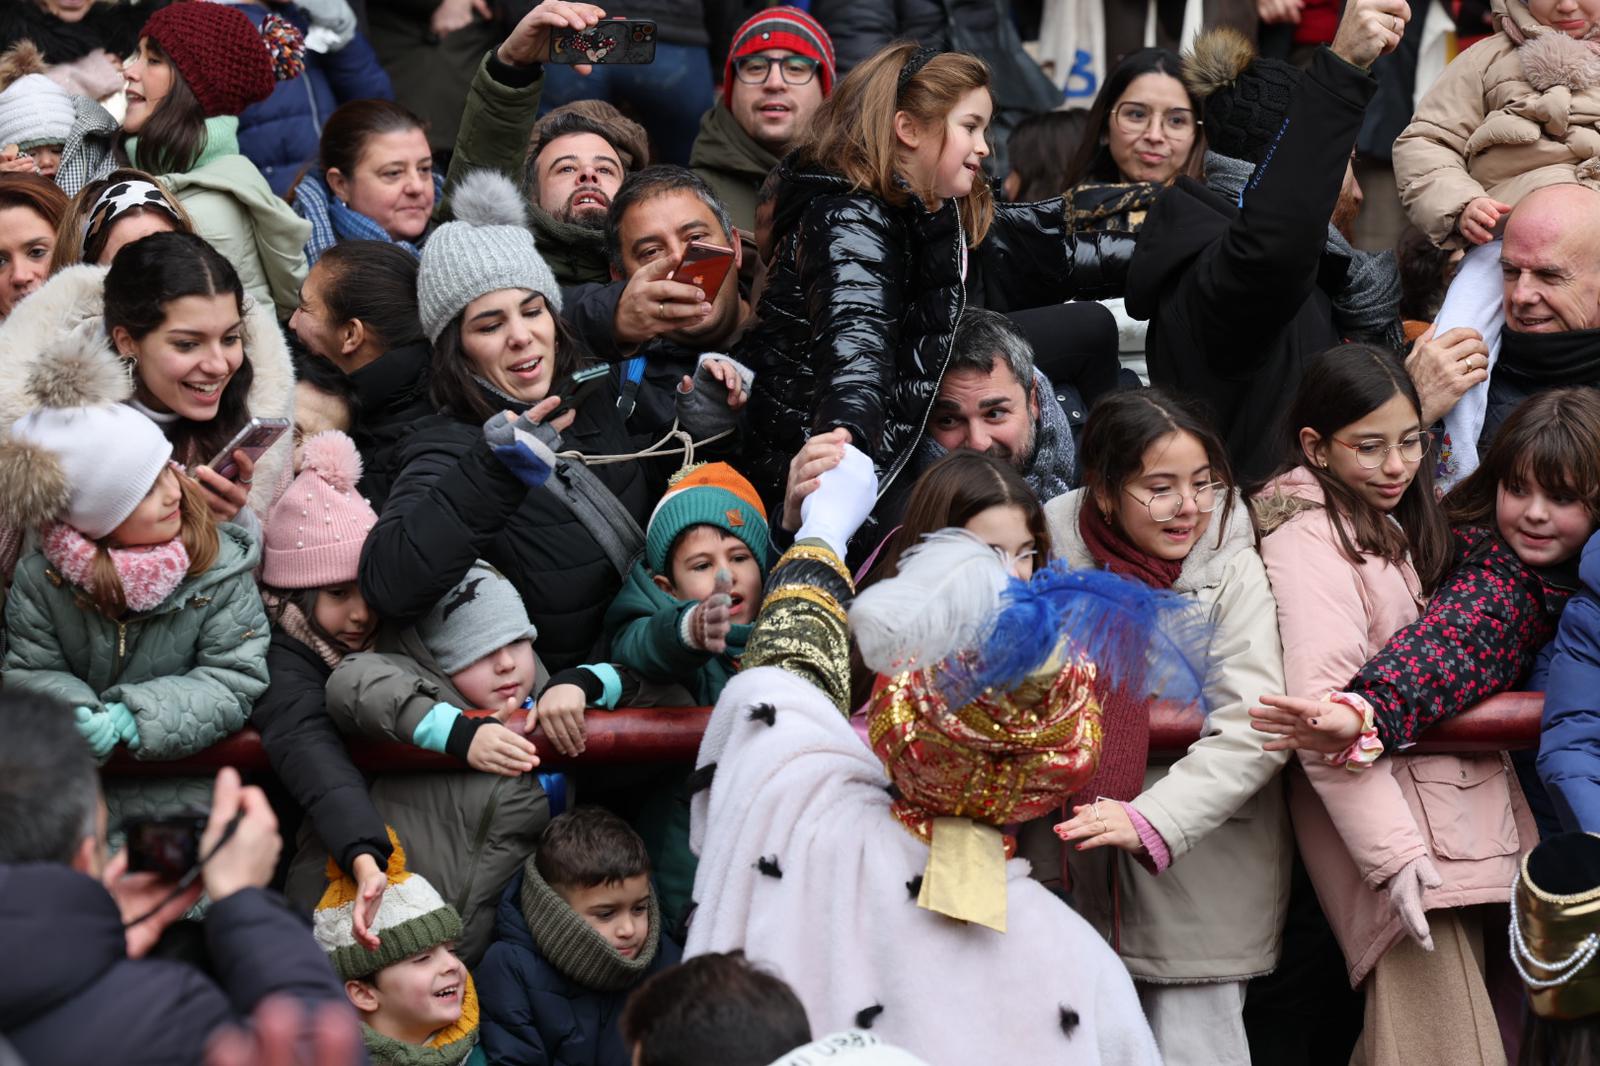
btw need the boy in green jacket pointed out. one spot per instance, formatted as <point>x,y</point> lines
<point>685,620</point>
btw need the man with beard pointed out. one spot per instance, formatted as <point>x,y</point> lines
<point>579,156</point>
<point>1246,277</point>
<point>779,70</point>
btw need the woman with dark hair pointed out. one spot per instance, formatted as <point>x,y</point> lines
<point>1356,543</point>
<point>1143,131</point>
<point>490,305</point>
<point>30,210</point>
<point>358,311</point>
<point>205,361</point>
<point>197,67</point>
<point>1206,833</point>
<point>1041,149</point>
<point>117,210</point>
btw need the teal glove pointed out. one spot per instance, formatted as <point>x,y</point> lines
<point>126,724</point>
<point>97,729</point>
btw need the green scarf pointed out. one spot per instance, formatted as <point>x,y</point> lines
<point>575,253</point>
<point>222,138</point>
<point>388,1051</point>
<point>573,947</point>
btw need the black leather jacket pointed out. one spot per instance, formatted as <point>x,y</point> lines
<point>861,305</point>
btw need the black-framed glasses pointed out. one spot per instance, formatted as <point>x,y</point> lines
<point>1373,452</point>
<point>1164,506</point>
<point>1134,118</point>
<point>754,70</point>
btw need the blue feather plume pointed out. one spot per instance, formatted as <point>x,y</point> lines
<point>1144,641</point>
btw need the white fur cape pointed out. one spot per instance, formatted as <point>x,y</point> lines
<point>804,797</point>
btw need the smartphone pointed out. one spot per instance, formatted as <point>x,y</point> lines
<point>258,435</point>
<point>578,388</point>
<point>704,265</point>
<point>166,845</point>
<point>613,40</point>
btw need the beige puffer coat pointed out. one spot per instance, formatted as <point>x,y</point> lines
<point>1515,112</point>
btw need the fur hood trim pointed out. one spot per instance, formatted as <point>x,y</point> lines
<point>1216,60</point>
<point>20,60</point>
<point>54,351</point>
<point>1553,60</point>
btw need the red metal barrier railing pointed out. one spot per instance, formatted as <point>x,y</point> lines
<point>1510,720</point>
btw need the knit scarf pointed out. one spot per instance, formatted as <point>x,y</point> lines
<point>333,221</point>
<point>1052,470</point>
<point>449,1047</point>
<point>292,620</point>
<point>1368,307</point>
<point>573,947</point>
<point>149,575</point>
<point>1115,553</point>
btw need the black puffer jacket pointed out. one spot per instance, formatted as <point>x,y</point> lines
<point>861,305</point>
<point>453,502</point>
<point>309,755</point>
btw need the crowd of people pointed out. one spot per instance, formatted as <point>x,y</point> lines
<point>369,375</point>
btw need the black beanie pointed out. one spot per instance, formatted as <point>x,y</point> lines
<point>1244,98</point>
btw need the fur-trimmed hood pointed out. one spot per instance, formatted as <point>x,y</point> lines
<point>54,351</point>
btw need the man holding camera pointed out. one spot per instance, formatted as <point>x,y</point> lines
<point>79,931</point>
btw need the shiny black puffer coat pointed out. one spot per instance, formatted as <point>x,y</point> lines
<point>861,304</point>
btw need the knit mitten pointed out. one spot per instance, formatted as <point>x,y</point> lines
<point>1404,893</point>
<point>126,724</point>
<point>525,447</point>
<point>841,503</point>
<point>97,729</point>
<point>706,625</point>
<point>703,411</point>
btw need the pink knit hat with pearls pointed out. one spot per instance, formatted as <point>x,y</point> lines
<point>315,532</point>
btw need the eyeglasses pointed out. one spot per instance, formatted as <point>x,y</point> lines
<point>1373,452</point>
<point>754,70</point>
<point>1179,122</point>
<point>1164,506</point>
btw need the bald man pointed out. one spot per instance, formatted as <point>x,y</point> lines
<point>1550,263</point>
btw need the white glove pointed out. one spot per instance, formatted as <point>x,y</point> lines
<point>1404,891</point>
<point>336,21</point>
<point>843,500</point>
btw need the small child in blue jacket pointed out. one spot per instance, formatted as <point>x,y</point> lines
<point>577,930</point>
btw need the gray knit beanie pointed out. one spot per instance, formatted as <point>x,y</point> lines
<point>485,248</point>
<point>482,614</point>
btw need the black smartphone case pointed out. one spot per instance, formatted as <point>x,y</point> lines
<point>610,41</point>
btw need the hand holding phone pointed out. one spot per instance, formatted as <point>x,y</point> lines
<point>255,439</point>
<point>165,845</point>
<point>578,387</point>
<point>705,266</point>
<point>613,40</point>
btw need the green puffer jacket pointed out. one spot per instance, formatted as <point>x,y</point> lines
<point>644,625</point>
<point>732,163</point>
<point>466,832</point>
<point>190,670</point>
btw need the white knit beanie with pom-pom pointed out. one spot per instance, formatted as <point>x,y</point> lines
<point>316,529</point>
<point>485,248</point>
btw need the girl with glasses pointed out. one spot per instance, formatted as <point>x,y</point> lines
<point>1378,596</point>
<point>1145,844</point>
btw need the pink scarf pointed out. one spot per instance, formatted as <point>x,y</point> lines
<point>149,575</point>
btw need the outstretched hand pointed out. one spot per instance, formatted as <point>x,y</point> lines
<point>711,620</point>
<point>1369,29</point>
<point>1306,725</point>
<point>529,41</point>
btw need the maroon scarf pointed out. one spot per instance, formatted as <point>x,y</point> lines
<point>1114,553</point>
<point>1125,744</point>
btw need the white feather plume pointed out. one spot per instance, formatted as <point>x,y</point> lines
<point>488,198</point>
<point>940,602</point>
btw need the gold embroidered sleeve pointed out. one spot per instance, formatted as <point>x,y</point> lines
<point>802,627</point>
